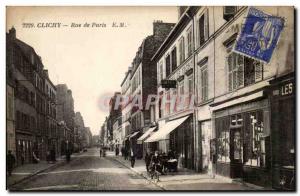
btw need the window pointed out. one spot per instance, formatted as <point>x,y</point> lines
<point>243,71</point>
<point>204,83</point>
<point>32,98</point>
<point>255,153</point>
<point>181,50</point>
<point>189,42</point>
<point>229,12</point>
<point>223,146</point>
<point>168,65</point>
<point>190,85</point>
<point>174,59</point>
<point>203,28</point>
<point>18,120</point>
<point>161,73</point>
<point>167,103</point>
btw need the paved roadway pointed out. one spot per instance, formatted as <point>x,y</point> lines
<point>87,171</point>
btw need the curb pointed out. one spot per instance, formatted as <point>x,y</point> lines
<point>36,173</point>
<point>139,173</point>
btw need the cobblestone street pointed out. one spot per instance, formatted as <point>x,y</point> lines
<point>87,171</point>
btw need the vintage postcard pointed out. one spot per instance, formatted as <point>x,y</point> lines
<point>150,98</point>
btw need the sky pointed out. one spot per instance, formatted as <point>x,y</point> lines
<point>92,61</point>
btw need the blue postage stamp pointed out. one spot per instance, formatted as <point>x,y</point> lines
<point>259,35</point>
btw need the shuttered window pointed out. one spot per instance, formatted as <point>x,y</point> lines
<point>242,71</point>
<point>204,83</point>
<point>203,27</point>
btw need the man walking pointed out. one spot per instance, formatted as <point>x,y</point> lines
<point>132,158</point>
<point>10,158</point>
<point>147,160</point>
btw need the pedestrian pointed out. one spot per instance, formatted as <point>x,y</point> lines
<point>68,155</point>
<point>52,154</point>
<point>48,157</point>
<point>117,151</point>
<point>147,160</point>
<point>35,158</point>
<point>100,151</point>
<point>126,154</point>
<point>10,158</point>
<point>132,158</point>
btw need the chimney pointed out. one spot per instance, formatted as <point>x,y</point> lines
<point>161,30</point>
<point>12,33</point>
<point>46,73</point>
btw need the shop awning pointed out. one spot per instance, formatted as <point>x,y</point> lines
<point>165,130</point>
<point>145,135</point>
<point>133,135</point>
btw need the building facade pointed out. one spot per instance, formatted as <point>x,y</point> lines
<point>29,100</point>
<point>143,83</point>
<point>79,131</point>
<point>235,133</point>
<point>175,62</point>
<point>126,108</point>
<point>65,115</point>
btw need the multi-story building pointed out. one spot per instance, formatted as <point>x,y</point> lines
<point>79,131</point>
<point>114,114</point>
<point>103,133</point>
<point>10,96</point>
<point>126,108</point>
<point>52,137</point>
<point>87,143</point>
<point>143,83</point>
<point>65,114</point>
<point>234,126</point>
<point>176,119</point>
<point>240,109</point>
<point>118,137</point>
<point>30,98</point>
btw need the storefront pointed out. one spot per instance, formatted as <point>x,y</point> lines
<point>24,149</point>
<point>243,149</point>
<point>282,99</point>
<point>176,135</point>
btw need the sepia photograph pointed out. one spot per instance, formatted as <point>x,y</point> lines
<point>150,98</point>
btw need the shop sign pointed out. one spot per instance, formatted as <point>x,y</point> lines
<point>259,36</point>
<point>284,90</point>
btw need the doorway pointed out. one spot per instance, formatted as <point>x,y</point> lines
<point>236,153</point>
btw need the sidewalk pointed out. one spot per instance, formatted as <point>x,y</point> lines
<point>187,179</point>
<point>26,171</point>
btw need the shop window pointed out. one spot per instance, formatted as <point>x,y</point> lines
<point>243,71</point>
<point>222,129</point>
<point>236,120</point>
<point>254,144</point>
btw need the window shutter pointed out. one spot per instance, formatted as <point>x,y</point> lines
<point>258,71</point>
<point>240,70</point>
<point>234,81</point>
<point>206,84</point>
<point>229,65</point>
<point>206,25</point>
